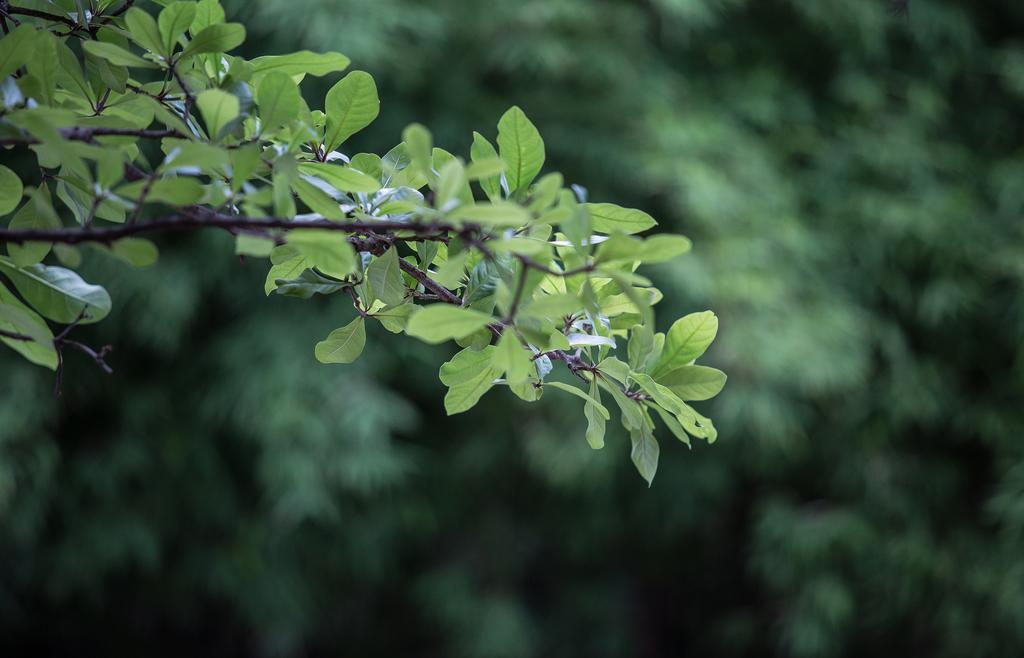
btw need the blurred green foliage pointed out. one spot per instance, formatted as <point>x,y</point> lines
<point>851,178</point>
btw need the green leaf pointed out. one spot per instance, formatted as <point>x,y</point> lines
<point>521,148</point>
<point>340,177</point>
<point>661,248</point>
<point>694,383</point>
<point>395,318</point>
<point>351,105</point>
<point>468,376</point>
<point>673,425</point>
<point>343,345</point>
<point>278,99</point>
<point>174,19</point>
<point>219,108</point>
<point>317,200</point>
<point>596,415</point>
<point>441,322</point>
<point>217,38</point>
<point>419,145</point>
<point>208,12</point>
<point>175,191</point>
<point>303,62</point>
<point>253,245</point>
<point>37,213</point>
<point>513,359</point>
<point>17,318</point>
<point>16,49</point>
<point>645,452</point>
<point>56,293</point>
<point>44,66</point>
<point>385,277</point>
<point>326,250</point>
<point>452,185</point>
<point>632,417</point>
<point>137,252</point>
<point>116,55</point>
<point>609,218</point>
<point>10,190</point>
<point>483,151</point>
<point>589,399</point>
<point>285,270</point>
<point>500,213</point>
<point>686,340</point>
<point>143,30</point>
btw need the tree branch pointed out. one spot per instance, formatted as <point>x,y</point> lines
<point>79,134</point>
<point>229,223</point>
<point>35,13</point>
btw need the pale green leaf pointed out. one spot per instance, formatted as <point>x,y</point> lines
<point>609,218</point>
<point>686,340</point>
<point>218,107</point>
<point>441,322</point>
<point>217,38</point>
<point>521,148</point>
<point>303,62</point>
<point>116,55</point>
<point>278,99</point>
<point>174,20</point>
<point>343,345</point>
<point>143,30</point>
<point>645,452</point>
<point>694,383</point>
<point>468,375</point>
<point>326,250</point>
<point>513,359</point>
<point>340,177</point>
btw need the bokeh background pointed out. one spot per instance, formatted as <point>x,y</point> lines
<point>851,175</point>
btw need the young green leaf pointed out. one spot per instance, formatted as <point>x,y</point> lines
<point>686,340</point>
<point>351,105</point>
<point>343,345</point>
<point>441,322</point>
<point>521,148</point>
<point>17,318</point>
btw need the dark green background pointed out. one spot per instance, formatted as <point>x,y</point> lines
<point>852,180</point>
